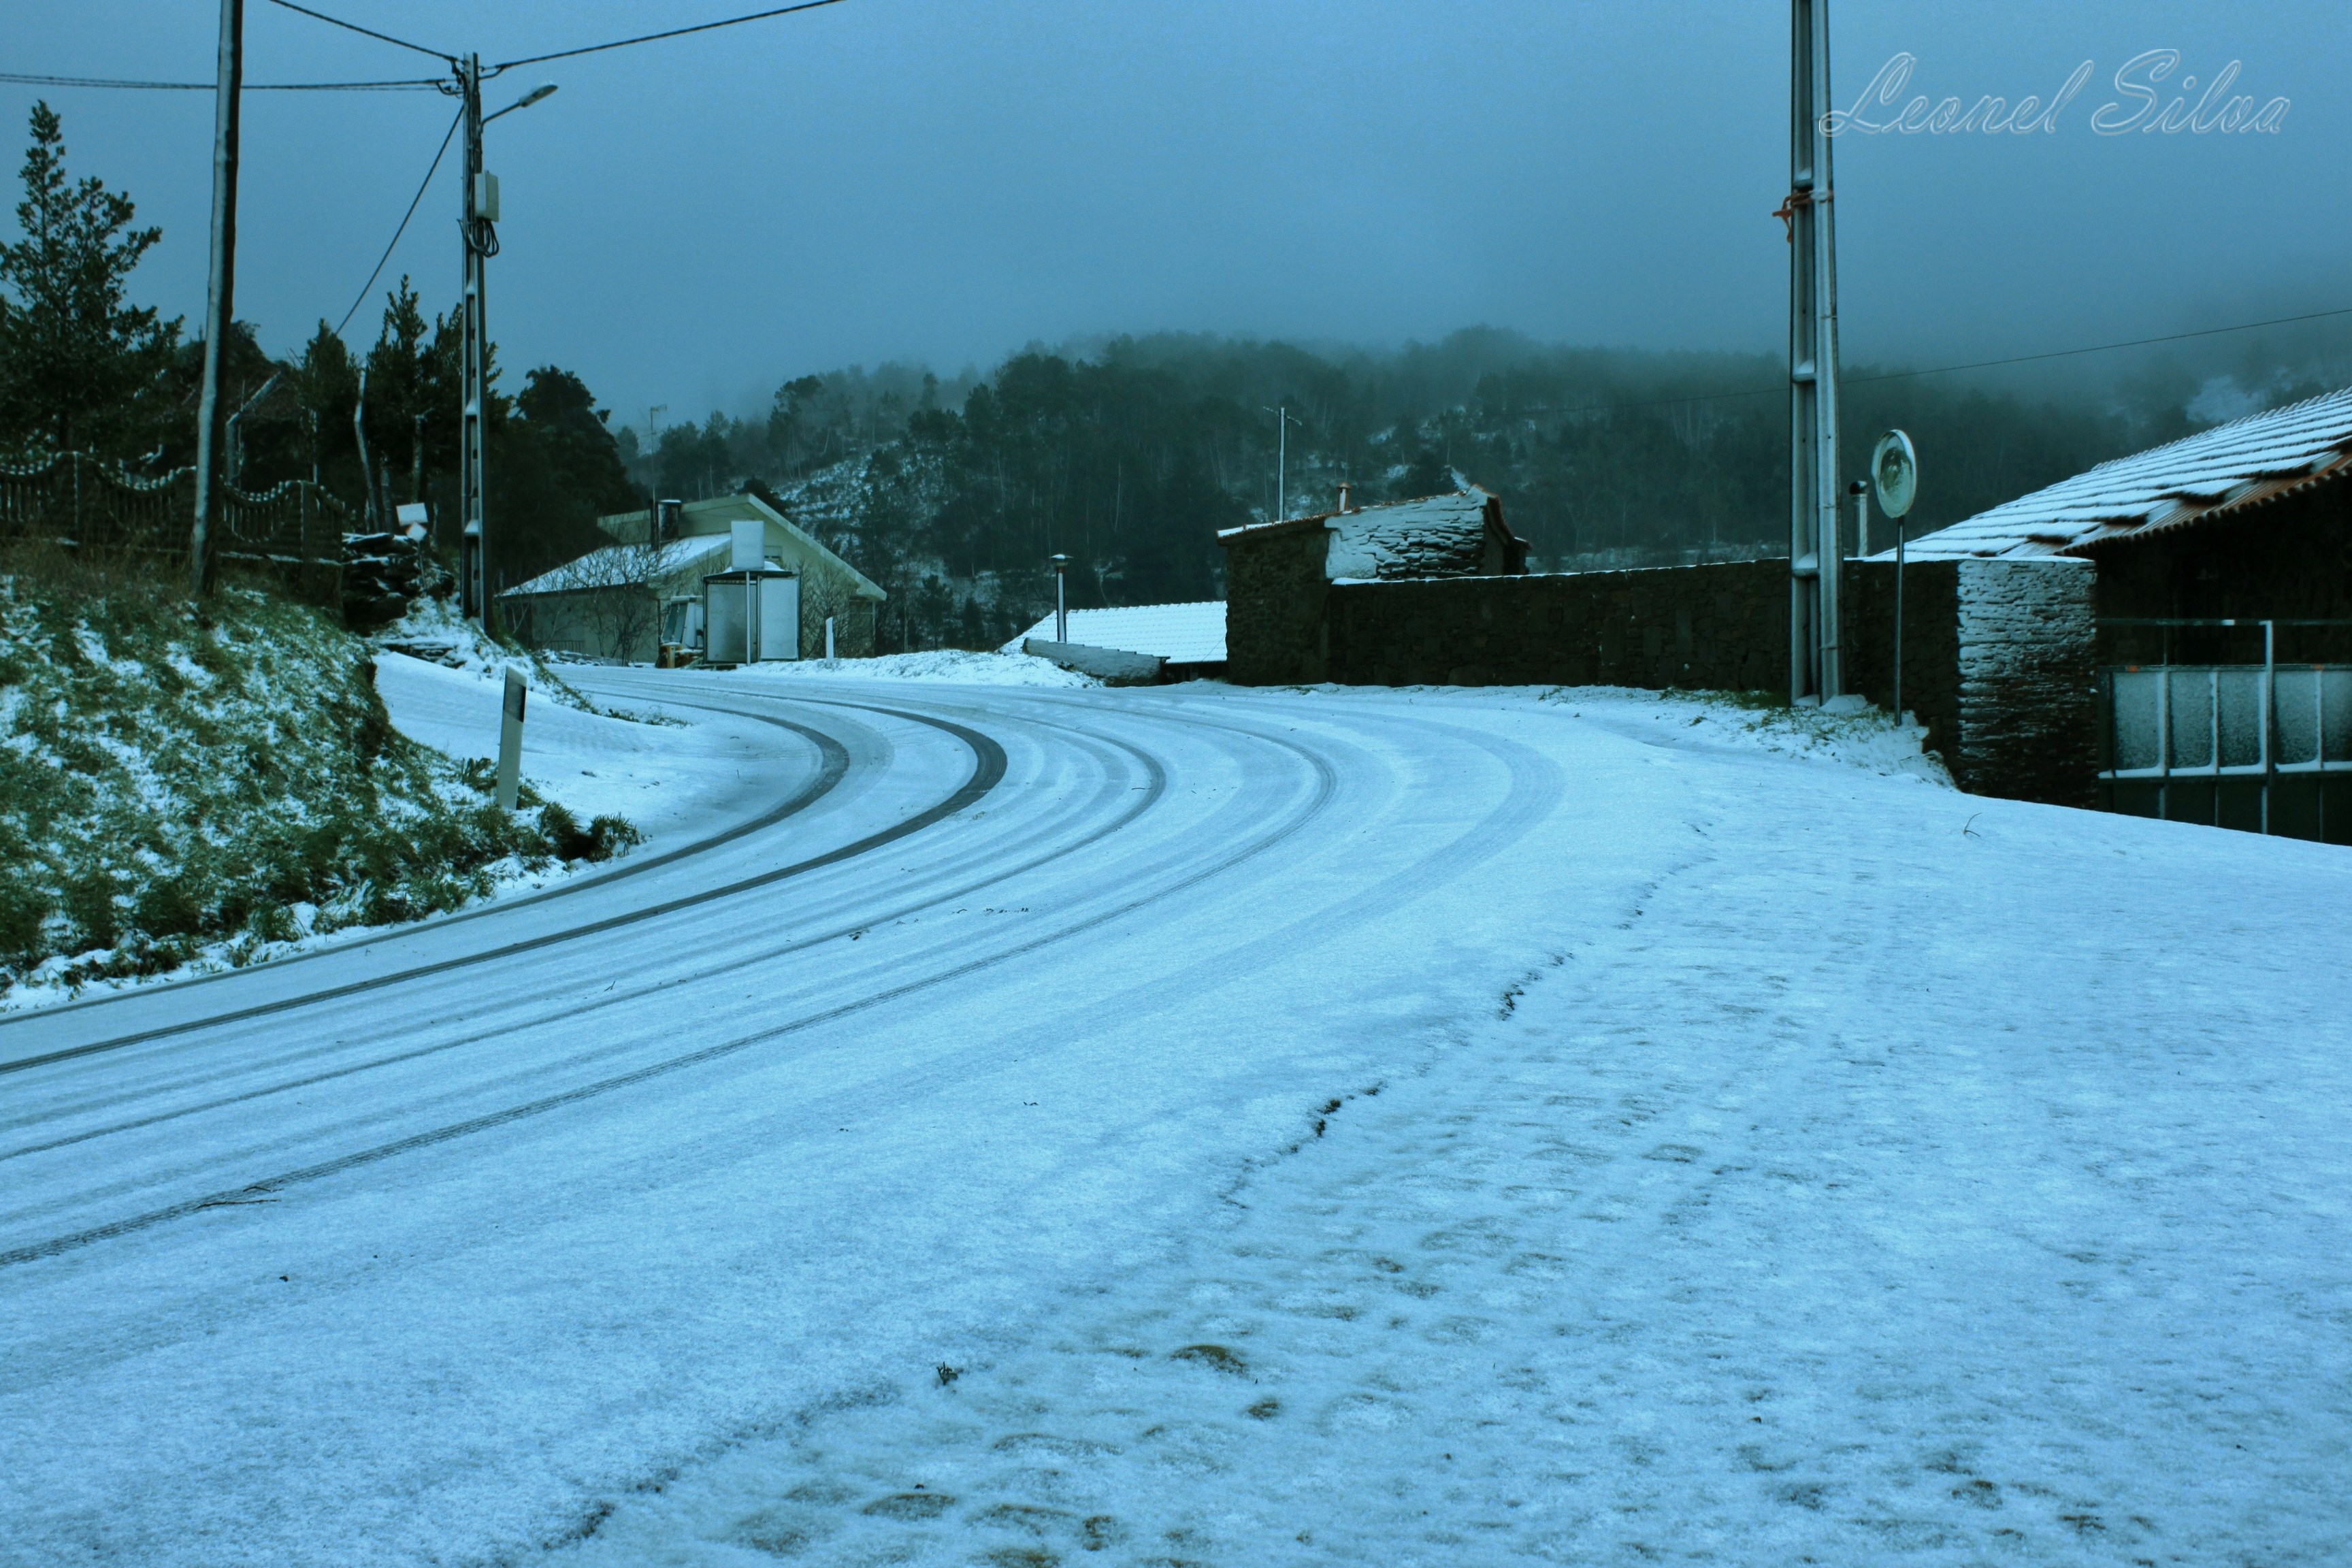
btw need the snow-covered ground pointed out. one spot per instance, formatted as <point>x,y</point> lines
<point>953,665</point>
<point>1227,1127</point>
<point>671,779</point>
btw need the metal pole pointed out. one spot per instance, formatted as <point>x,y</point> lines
<point>1898,620</point>
<point>2270,688</point>
<point>1281,463</point>
<point>473,575</point>
<point>220,302</point>
<point>1814,664</point>
<point>1061,599</point>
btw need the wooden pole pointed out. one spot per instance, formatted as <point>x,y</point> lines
<point>220,301</point>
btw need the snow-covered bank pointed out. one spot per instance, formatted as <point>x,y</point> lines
<point>195,789</point>
<point>670,779</point>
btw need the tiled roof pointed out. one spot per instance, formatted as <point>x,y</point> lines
<point>2238,464</point>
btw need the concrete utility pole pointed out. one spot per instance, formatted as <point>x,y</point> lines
<point>1816,668</point>
<point>220,297</point>
<point>474,226</point>
<point>1061,599</point>
<point>478,225</point>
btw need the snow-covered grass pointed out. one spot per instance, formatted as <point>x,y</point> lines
<point>180,789</point>
<point>939,664</point>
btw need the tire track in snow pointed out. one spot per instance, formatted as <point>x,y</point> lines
<point>1326,786</point>
<point>988,770</point>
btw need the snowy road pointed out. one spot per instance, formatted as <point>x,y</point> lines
<point>1224,1127</point>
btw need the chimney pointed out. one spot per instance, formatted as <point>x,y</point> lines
<point>1344,488</point>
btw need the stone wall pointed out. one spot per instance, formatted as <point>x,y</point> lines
<point>2028,679</point>
<point>1274,594</point>
<point>1997,661</point>
<point>1724,627</point>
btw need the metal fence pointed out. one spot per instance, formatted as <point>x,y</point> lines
<point>78,502</point>
<point>2264,747</point>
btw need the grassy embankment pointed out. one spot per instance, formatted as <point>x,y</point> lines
<point>179,786</point>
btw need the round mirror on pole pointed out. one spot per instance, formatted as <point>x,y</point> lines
<point>1895,471</point>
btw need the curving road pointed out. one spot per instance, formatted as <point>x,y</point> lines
<point>447,1246</point>
<point>426,1235</point>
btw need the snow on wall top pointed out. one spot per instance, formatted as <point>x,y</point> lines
<point>2237,464</point>
<point>1181,634</point>
<point>1436,536</point>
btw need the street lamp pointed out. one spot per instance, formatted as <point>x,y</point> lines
<point>1061,599</point>
<point>477,226</point>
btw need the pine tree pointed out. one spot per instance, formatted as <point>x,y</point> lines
<point>74,357</point>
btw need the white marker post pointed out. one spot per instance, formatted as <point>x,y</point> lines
<point>828,638</point>
<point>510,741</point>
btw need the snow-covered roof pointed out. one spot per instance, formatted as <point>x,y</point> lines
<point>2238,464</point>
<point>616,564</point>
<point>1435,536</point>
<point>1181,634</point>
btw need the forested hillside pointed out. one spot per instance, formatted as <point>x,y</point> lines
<point>1129,453</point>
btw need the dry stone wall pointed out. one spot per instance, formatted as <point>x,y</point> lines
<point>1997,657</point>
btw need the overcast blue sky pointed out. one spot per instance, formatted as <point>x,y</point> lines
<point>690,223</point>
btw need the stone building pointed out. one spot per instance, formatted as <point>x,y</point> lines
<point>2222,606</point>
<point>1278,576</point>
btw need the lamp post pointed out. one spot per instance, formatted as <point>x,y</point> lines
<point>478,225</point>
<point>1061,598</point>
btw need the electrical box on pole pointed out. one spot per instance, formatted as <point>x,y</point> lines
<point>1814,551</point>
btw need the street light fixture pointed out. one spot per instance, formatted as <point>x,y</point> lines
<point>525,102</point>
<point>1061,599</point>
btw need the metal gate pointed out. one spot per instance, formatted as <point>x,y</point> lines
<point>2263,747</point>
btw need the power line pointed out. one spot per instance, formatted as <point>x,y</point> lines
<point>1975,364</point>
<point>411,213</point>
<point>412,84</point>
<point>368,32</point>
<point>651,38</point>
<point>2103,348</point>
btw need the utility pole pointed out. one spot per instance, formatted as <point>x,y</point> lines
<point>478,225</point>
<point>220,297</point>
<point>1061,598</point>
<point>1815,670</point>
<point>474,568</point>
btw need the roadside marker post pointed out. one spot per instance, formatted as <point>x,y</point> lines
<point>510,740</point>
